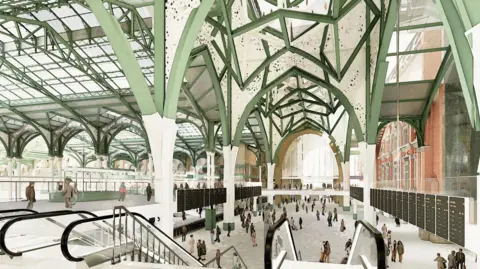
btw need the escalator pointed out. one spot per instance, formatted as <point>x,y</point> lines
<point>131,238</point>
<point>24,233</point>
<point>367,252</point>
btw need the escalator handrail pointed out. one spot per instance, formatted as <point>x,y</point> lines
<point>381,253</point>
<point>267,259</point>
<point>225,251</point>
<point>18,210</point>
<point>69,229</point>
<point>135,214</point>
<point>3,230</point>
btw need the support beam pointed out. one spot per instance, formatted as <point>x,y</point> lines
<point>159,30</point>
<point>229,158</point>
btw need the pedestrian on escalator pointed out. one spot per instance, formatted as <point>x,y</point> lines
<point>67,192</point>
<point>348,246</point>
<point>217,258</point>
<point>219,232</point>
<point>123,192</point>
<point>30,194</point>
<point>184,233</point>
<point>149,192</point>
<point>460,257</point>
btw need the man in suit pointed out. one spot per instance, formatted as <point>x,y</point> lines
<point>460,259</point>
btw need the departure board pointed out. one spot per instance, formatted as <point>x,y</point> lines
<point>399,204</point>
<point>387,200</point>
<point>384,200</point>
<point>456,233</point>
<point>412,208</point>
<point>372,198</point>
<point>421,210</point>
<point>404,206</point>
<point>380,200</point>
<point>393,203</point>
<point>180,200</point>
<point>441,217</point>
<point>430,213</point>
<point>356,193</point>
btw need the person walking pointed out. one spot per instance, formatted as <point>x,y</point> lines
<point>452,262</point>
<point>219,232</point>
<point>199,249</point>
<point>191,244</point>
<point>184,233</point>
<point>75,194</point>
<point>229,229</point>
<point>67,193</point>
<point>149,192</point>
<point>460,258</point>
<point>247,225</point>
<point>30,194</point>
<point>394,251</point>
<point>377,219</point>
<point>204,250</point>
<point>123,192</point>
<point>253,235</point>
<point>327,252</point>
<point>318,215</point>
<point>335,216</point>
<point>342,226</point>
<point>212,235</point>
<point>441,262</point>
<point>384,230</point>
<point>296,208</point>
<point>236,261</point>
<point>313,206</point>
<point>217,258</point>
<point>397,222</point>
<point>300,222</point>
<point>400,250</point>
<point>329,219</point>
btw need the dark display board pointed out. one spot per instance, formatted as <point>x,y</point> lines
<point>404,206</point>
<point>399,204</point>
<point>247,192</point>
<point>387,205</point>
<point>421,210</point>
<point>457,220</point>
<point>441,217</point>
<point>393,203</point>
<point>430,213</point>
<point>372,197</point>
<point>383,197</point>
<point>195,198</point>
<point>356,193</point>
<point>377,193</point>
<point>412,208</point>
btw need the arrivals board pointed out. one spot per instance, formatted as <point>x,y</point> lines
<point>381,203</point>
<point>356,193</point>
<point>456,207</point>
<point>384,200</point>
<point>372,197</point>
<point>387,200</point>
<point>421,210</point>
<point>180,200</point>
<point>405,206</point>
<point>399,204</point>
<point>441,217</point>
<point>412,208</point>
<point>393,203</point>
<point>430,213</point>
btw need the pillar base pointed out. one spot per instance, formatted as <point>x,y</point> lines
<point>232,226</point>
<point>355,216</point>
<point>210,219</point>
<point>346,208</point>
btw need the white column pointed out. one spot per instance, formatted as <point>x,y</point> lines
<point>211,170</point>
<point>270,174</point>
<point>150,166</point>
<point>162,134</point>
<point>18,173</point>
<point>346,185</point>
<point>229,160</point>
<point>260,174</point>
<point>98,161</point>
<point>60,167</point>
<point>368,158</point>
<point>208,168</point>
<point>355,209</point>
<point>105,162</point>
<point>52,166</point>
<point>9,173</point>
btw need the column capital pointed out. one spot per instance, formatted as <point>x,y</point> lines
<point>210,153</point>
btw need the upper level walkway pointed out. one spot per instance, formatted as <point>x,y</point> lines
<point>320,192</point>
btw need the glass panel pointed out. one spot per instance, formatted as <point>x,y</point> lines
<point>415,67</point>
<point>283,242</point>
<point>417,39</point>
<point>365,247</point>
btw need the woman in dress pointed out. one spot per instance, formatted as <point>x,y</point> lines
<point>253,235</point>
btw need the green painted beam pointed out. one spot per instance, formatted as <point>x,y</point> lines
<point>265,138</point>
<point>371,5</point>
<point>277,105</point>
<point>409,52</point>
<point>286,39</point>
<point>182,55</point>
<point>125,56</point>
<point>462,54</point>
<point>405,101</point>
<point>336,40</point>
<point>348,143</point>
<point>159,65</point>
<point>442,70</point>
<point>380,74</point>
<point>420,26</point>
